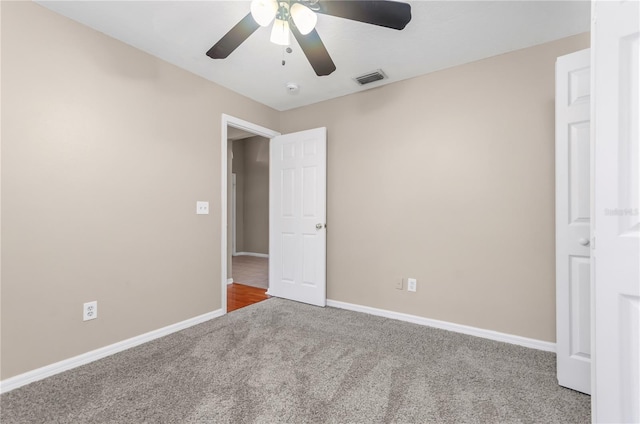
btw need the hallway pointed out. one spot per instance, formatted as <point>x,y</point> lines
<point>250,281</point>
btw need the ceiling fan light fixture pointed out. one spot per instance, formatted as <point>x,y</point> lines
<point>263,11</point>
<point>299,16</point>
<point>304,18</point>
<point>280,32</point>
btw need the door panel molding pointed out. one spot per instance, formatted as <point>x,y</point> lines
<point>573,221</point>
<point>615,269</point>
<point>297,216</point>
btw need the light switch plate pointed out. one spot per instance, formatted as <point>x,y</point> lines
<point>202,208</point>
<point>411,284</point>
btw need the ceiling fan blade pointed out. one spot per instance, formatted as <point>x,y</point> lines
<point>390,14</point>
<point>232,39</point>
<point>316,52</point>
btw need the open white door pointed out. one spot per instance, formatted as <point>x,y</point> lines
<point>573,221</point>
<point>615,47</point>
<point>297,217</point>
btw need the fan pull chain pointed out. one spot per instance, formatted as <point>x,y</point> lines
<point>285,49</point>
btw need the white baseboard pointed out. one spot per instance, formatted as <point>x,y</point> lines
<point>444,325</point>
<point>229,280</point>
<point>257,255</point>
<point>85,358</point>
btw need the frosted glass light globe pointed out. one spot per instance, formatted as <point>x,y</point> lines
<point>304,18</point>
<point>263,11</point>
<point>280,32</point>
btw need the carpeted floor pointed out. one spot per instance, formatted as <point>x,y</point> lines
<point>281,361</point>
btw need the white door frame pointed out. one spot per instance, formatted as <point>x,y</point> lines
<point>231,121</point>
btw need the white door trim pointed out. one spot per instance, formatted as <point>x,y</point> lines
<point>228,120</point>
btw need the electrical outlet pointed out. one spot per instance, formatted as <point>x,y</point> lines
<point>90,310</point>
<point>411,284</point>
<point>202,208</point>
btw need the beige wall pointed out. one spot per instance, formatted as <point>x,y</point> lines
<point>238,169</point>
<point>105,151</point>
<point>229,207</point>
<point>251,166</point>
<point>447,178</point>
<point>255,195</point>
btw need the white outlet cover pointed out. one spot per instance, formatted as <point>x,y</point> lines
<point>202,208</point>
<point>411,284</point>
<point>90,310</point>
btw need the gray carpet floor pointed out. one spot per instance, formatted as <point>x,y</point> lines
<point>281,361</point>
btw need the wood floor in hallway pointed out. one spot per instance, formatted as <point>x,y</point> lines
<point>239,296</point>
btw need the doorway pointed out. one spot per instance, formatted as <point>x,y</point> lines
<point>249,219</point>
<point>297,211</point>
<point>236,295</point>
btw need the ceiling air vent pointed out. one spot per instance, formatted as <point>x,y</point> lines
<point>374,76</point>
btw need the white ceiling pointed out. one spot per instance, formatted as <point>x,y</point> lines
<point>441,34</point>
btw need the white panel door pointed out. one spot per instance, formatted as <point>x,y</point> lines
<point>573,221</point>
<point>616,218</point>
<point>297,216</point>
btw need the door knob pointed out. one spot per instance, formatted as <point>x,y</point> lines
<point>584,241</point>
<point>318,226</point>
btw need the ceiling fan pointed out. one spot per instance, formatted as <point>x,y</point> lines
<point>299,17</point>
